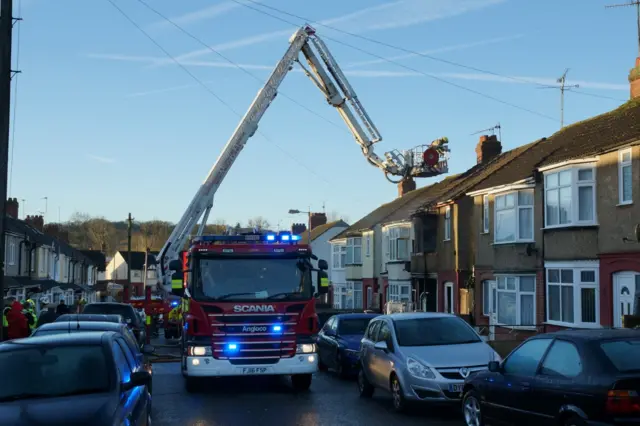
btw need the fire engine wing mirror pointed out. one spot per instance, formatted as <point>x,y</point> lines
<point>323,265</point>
<point>175,265</point>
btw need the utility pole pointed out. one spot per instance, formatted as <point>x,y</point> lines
<point>635,3</point>
<point>127,289</point>
<point>6,41</point>
<point>562,81</point>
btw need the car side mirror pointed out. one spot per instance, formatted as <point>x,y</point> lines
<point>139,378</point>
<point>494,367</point>
<point>329,332</point>
<point>382,346</point>
<point>148,349</point>
<point>175,265</point>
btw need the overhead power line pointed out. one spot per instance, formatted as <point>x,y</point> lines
<point>398,48</point>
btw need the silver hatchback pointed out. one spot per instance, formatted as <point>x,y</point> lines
<point>420,357</point>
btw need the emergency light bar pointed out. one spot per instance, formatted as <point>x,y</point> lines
<point>251,238</point>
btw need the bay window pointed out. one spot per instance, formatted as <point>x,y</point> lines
<point>570,197</point>
<point>516,300</point>
<point>572,294</point>
<point>399,291</point>
<point>514,217</point>
<point>625,185</point>
<point>338,256</point>
<point>354,251</point>
<point>398,240</point>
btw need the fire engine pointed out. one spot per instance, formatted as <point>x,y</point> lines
<point>249,303</point>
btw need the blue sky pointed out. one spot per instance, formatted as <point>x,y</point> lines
<point>107,124</point>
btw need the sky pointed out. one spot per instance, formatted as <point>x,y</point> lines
<point>110,121</point>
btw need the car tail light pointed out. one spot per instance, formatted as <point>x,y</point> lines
<point>622,402</point>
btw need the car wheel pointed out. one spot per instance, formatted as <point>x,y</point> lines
<point>365,388</point>
<point>471,409</point>
<point>574,421</point>
<point>399,402</point>
<point>301,382</point>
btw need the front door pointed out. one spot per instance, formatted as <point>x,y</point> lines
<point>624,290</point>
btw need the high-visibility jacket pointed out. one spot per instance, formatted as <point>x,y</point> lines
<point>5,323</point>
<point>175,314</point>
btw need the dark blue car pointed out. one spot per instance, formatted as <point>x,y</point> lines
<point>72,379</point>
<point>339,342</point>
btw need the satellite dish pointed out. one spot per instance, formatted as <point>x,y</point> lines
<point>430,157</point>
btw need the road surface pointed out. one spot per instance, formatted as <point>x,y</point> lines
<point>233,402</point>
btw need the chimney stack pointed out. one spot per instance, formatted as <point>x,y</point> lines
<point>406,186</point>
<point>298,228</point>
<point>12,208</point>
<point>488,148</point>
<point>634,80</point>
<point>57,231</point>
<point>36,222</point>
<point>316,220</point>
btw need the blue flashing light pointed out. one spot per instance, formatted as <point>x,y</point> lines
<point>271,237</point>
<point>232,347</point>
<point>295,238</point>
<point>285,237</point>
<point>276,328</point>
<point>174,303</point>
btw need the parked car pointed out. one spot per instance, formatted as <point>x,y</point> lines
<point>570,378</point>
<point>420,357</point>
<point>89,326</point>
<point>85,318</point>
<point>127,311</point>
<point>338,342</point>
<point>72,379</point>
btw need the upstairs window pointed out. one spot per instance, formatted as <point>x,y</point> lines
<point>338,255</point>
<point>514,217</point>
<point>398,241</point>
<point>625,173</point>
<point>354,251</point>
<point>570,197</point>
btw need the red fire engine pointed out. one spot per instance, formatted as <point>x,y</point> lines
<point>250,307</point>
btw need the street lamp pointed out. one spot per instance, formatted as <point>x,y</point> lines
<point>296,211</point>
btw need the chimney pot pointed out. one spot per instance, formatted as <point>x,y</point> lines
<point>298,228</point>
<point>488,148</point>
<point>12,208</point>
<point>316,220</point>
<point>406,186</point>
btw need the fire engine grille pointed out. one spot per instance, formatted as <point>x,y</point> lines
<point>253,338</point>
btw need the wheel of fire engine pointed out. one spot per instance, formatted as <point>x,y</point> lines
<point>399,401</point>
<point>574,420</point>
<point>301,382</point>
<point>191,384</point>
<point>365,388</point>
<point>471,409</point>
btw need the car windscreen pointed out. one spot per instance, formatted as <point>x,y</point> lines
<point>624,354</point>
<point>434,332</point>
<point>353,326</point>
<point>125,311</point>
<point>32,371</point>
<point>252,278</point>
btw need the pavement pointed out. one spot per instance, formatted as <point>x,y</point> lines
<point>331,401</point>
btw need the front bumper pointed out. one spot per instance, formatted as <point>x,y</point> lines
<point>438,390</point>
<point>206,366</point>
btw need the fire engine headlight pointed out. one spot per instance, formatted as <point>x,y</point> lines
<point>306,348</point>
<point>199,351</point>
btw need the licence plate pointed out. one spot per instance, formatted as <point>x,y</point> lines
<point>456,388</point>
<point>254,370</point>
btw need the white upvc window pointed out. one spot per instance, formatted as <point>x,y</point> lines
<point>338,256</point>
<point>12,252</point>
<point>339,295</point>
<point>516,300</point>
<point>447,223</point>
<point>573,297</point>
<point>514,217</point>
<point>354,295</point>
<point>354,251</point>
<point>398,240</point>
<point>625,173</point>
<point>485,214</point>
<point>489,297</point>
<point>570,197</point>
<point>399,292</point>
<point>368,245</point>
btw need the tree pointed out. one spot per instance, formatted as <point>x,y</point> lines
<point>100,232</point>
<point>259,223</point>
<point>335,215</point>
<point>153,235</point>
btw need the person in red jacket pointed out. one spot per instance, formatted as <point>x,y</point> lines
<point>18,325</point>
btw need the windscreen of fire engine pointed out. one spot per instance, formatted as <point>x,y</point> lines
<point>237,279</point>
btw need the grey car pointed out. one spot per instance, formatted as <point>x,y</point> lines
<point>420,357</point>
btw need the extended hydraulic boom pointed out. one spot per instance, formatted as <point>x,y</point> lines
<point>422,161</point>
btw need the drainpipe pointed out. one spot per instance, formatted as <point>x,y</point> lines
<point>23,242</point>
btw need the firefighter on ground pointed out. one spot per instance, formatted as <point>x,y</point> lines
<point>176,314</point>
<point>17,326</point>
<point>29,311</point>
<point>6,307</point>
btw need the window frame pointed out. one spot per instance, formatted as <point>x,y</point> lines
<point>395,293</point>
<point>575,185</point>
<point>395,237</point>
<point>526,342</point>
<point>622,164</point>
<point>449,309</point>
<point>541,371</point>
<point>353,247</point>
<point>519,293</point>
<point>353,287</point>
<point>368,245</point>
<point>486,218</point>
<point>578,285</point>
<point>489,298</point>
<point>447,223</point>
<point>516,211</point>
<point>338,256</point>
